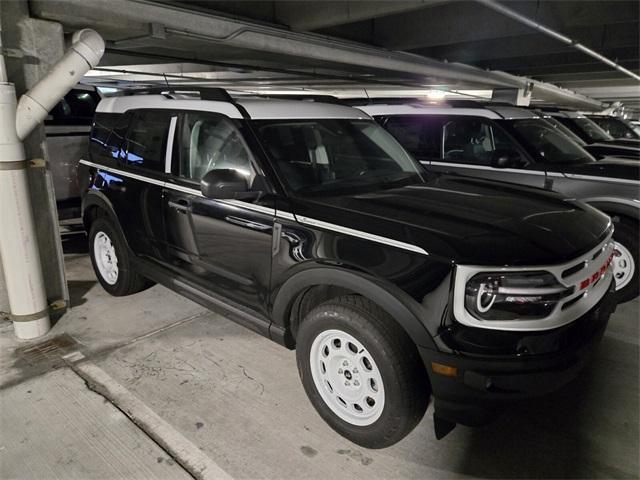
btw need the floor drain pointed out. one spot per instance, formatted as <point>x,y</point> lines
<point>49,352</point>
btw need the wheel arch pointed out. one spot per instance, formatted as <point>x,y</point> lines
<point>616,207</point>
<point>286,312</point>
<point>96,204</point>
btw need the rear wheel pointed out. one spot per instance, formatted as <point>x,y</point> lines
<point>111,261</point>
<point>361,371</point>
<point>625,259</point>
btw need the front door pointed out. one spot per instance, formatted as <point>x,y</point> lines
<point>223,245</point>
<point>470,146</point>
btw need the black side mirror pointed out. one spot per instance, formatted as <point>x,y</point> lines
<point>505,159</point>
<point>226,183</point>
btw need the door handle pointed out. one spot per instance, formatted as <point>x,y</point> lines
<point>181,206</point>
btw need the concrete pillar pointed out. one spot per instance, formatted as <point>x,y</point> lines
<point>515,96</point>
<point>31,47</point>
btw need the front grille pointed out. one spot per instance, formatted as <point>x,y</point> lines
<point>575,269</point>
<point>584,282</point>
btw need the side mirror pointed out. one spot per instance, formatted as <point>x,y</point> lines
<point>505,159</point>
<point>226,183</point>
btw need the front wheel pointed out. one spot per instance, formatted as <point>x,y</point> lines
<point>361,371</point>
<point>625,259</point>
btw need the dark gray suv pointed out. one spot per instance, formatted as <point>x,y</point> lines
<point>516,145</point>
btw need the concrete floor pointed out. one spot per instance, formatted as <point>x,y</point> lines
<point>237,399</point>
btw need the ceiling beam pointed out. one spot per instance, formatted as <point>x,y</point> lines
<point>195,36</point>
<point>443,25</point>
<point>185,30</point>
<point>605,37</point>
<point>309,16</point>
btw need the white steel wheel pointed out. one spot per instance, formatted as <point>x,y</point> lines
<point>346,377</point>
<point>623,265</point>
<point>105,258</point>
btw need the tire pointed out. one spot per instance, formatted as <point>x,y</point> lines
<point>107,249</point>
<point>384,386</point>
<point>626,259</point>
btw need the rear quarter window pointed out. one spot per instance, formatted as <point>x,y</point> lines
<point>147,139</point>
<point>107,135</point>
<point>420,134</point>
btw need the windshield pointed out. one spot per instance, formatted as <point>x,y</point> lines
<point>547,143</point>
<point>616,127</point>
<point>554,121</point>
<point>322,156</point>
<point>589,131</point>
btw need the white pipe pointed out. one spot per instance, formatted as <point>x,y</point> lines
<point>498,7</point>
<point>18,242</point>
<point>34,106</point>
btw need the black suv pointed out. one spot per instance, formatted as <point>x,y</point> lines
<point>512,144</point>
<point>309,224</point>
<point>616,127</point>
<point>597,141</point>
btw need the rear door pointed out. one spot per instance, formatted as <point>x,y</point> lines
<point>140,200</point>
<point>223,245</point>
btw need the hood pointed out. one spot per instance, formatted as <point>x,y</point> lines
<point>624,142</point>
<point>629,150</point>
<point>469,220</point>
<point>609,167</point>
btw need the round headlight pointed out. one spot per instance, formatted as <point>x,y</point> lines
<point>512,296</point>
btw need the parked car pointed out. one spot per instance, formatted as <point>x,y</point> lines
<point>67,132</point>
<point>598,142</point>
<point>308,223</point>
<point>516,145</point>
<point>616,127</point>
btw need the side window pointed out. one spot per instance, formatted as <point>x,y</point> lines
<point>147,139</point>
<point>76,108</point>
<point>209,142</point>
<point>475,141</point>
<point>468,140</point>
<point>107,135</point>
<point>421,135</point>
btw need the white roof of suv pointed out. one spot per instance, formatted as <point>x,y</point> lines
<point>494,112</point>
<point>257,108</point>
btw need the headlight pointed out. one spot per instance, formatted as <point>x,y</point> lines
<point>511,296</point>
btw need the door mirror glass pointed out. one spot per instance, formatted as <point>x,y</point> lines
<point>226,183</point>
<point>503,158</point>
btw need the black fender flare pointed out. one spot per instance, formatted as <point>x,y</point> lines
<point>404,309</point>
<point>98,199</point>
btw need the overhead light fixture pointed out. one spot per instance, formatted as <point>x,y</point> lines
<point>435,94</point>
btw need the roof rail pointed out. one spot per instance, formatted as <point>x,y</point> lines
<point>206,93</point>
<point>467,103</point>
<point>304,97</point>
<point>383,101</point>
<point>553,108</point>
<point>422,101</point>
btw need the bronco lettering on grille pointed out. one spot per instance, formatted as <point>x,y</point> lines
<point>596,276</point>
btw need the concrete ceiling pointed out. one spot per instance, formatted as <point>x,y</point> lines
<point>470,33</point>
<point>269,42</point>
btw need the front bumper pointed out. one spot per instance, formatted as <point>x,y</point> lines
<point>486,383</point>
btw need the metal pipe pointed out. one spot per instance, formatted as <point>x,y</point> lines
<point>498,7</point>
<point>18,243</point>
<point>136,15</point>
<point>181,24</point>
